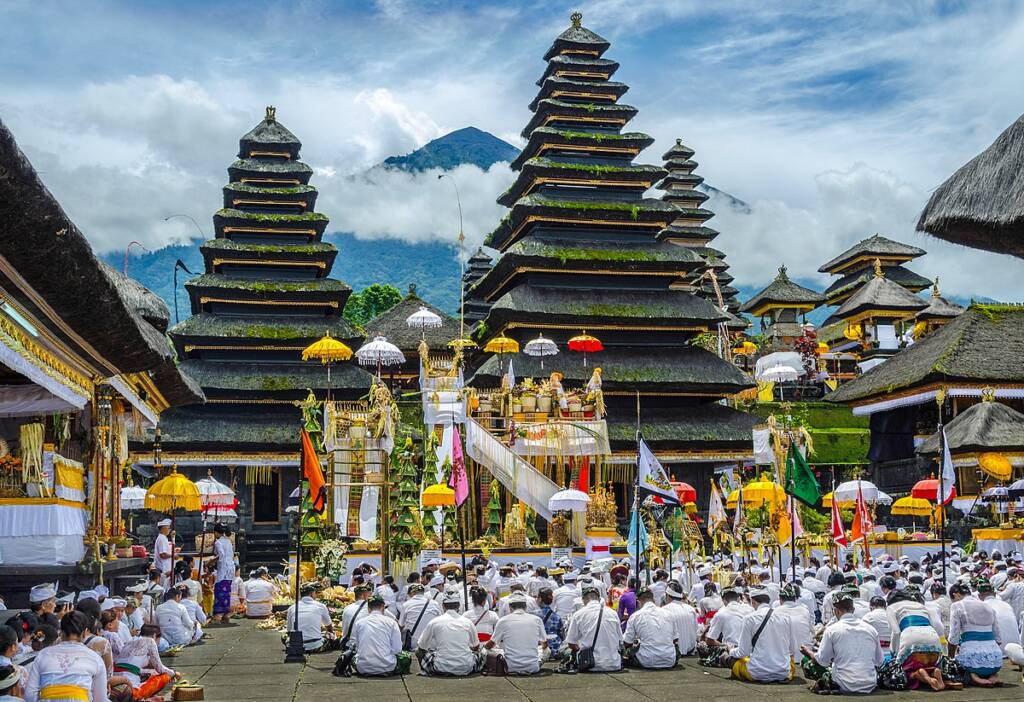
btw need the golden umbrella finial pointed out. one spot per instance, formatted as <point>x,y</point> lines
<point>577,19</point>
<point>878,269</point>
<point>935,287</point>
<point>271,115</point>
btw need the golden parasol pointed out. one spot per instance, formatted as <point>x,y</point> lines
<point>327,350</point>
<point>996,465</point>
<point>757,494</point>
<point>911,507</point>
<point>439,495</point>
<point>462,343</point>
<point>747,348</point>
<point>171,493</point>
<point>502,345</point>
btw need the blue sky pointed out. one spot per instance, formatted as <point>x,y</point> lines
<point>833,120</point>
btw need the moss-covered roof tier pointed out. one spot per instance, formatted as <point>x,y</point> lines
<point>231,428</point>
<point>686,370</point>
<point>544,141</point>
<point>282,381</point>
<point>985,426</point>
<point>569,114</point>
<point>539,171</point>
<point>705,427</point>
<point>671,309</point>
<point>579,67</point>
<point>318,257</point>
<point>579,90</point>
<point>876,246</point>
<point>281,173</point>
<point>301,228</point>
<point>783,292</point>
<point>222,287</point>
<point>687,233</point>
<point>881,294</point>
<point>300,198</point>
<point>851,282</point>
<point>245,331</point>
<point>983,346</point>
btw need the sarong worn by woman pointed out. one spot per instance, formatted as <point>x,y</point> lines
<point>972,627</point>
<point>916,644</point>
<point>141,654</point>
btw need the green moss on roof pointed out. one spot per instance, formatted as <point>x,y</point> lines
<point>839,447</point>
<point>634,208</point>
<point>222,281</point>
<point>265,217</point>
<point>590,167</point>
<point>294,190</point>
<point>271,166</point>
<point>229,245</point>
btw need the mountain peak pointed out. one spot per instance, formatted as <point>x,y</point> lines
<point>466,145</point>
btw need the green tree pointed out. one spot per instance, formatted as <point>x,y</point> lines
<point>370,302</point>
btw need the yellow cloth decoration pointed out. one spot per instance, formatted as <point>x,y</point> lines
<point>69,475</point>
<point>765,390</point>
<point>64,692</point>
<point>173,492</point>
<point>996,464</point>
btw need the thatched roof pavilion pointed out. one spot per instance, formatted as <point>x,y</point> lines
<point>982,204</point>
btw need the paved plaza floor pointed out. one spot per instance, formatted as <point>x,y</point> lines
<point>243,663</point>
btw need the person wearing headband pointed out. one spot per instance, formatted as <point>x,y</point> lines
<point>10,683</point>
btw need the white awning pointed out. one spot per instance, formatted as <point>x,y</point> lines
<point>47,395</point>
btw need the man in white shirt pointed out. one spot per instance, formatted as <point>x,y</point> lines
<point>651,635</point>
<point>377,641</point>
<point>727,624</point>
<point>584,632</point>
<point>314,622</point>
<point>417,612</point>
<point>566,597</point>
<point>789,605</point>
<point>520,636</point>
<point>767,646</point>
<point>851,651</point>
<point>356,610</point>
<point>224,576</point>
<point>1013,591</point>
<point>1006,624</point>
<point>449,644</point>
<point>176,626</point>
<point>531,604</point>
<point>878,619</point>
<point>259,595</point>
<point>683,617</point>
<point>162,560</point>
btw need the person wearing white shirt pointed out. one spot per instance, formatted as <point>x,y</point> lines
<point>417,612</point>
<point>449,644</point>
<point>658,586</point>
<point>808,600</point>
<point>584,632</point>
<point>727,625</point>
<point>789,605</point>
<point>1000,577</point>
<point>1013,591</point>
<point>769,656</point>
<point>939,603</point>
<point>974,635</point>
<point>1006,623</point>
<point>377,641</point>
<point>68,670</point>
<point>520,636</point>
<point>878,619</point>
<point>224,575</point>
<point>538,581</point>
<point>531,604</point>
<point>176,625</point>
<point>197,614</point>
<point>162,552</point>
<point>356,610</point>
<point>388,592</point>
<point>313,621</point>
<point>683,617</point>
<point>566,598</point>
<point>850,649</point>
<point>259,595</point>
<point>651,632</point>
<point>483,617</point>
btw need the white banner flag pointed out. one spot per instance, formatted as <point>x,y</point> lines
<point>948,472</point>
<point>653,480</point>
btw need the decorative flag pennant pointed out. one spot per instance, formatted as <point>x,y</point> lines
<point>458,481</point>
<point>800,480</point>
<point>737,521</point>
<point>948,473</point>
<point>716,510</point>
<point>838,532</point>
<point>631,540</point>
<point>652,479</point>
<point>312,472</point>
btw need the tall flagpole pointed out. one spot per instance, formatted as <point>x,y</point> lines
<point>636,490</point>
<point>940,399</point>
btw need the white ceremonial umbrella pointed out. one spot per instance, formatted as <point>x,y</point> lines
<point>569,501</point>
<point>424,319</point>
<point>213,493</point>
<point>1016,489</point>
<point>133,497</point>
<point>883,498</point>
<point>996,494</point>
<point>847,492</point>
<point>780,374</point>
<point>379,352</point>
<point>540,347</point>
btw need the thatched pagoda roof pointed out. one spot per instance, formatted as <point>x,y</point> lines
<point>116,316</point>
<point>392,325</point>
<point>228,428</point>
<point>287,381</point>
<point>205,328</point>
<point>939,307</point>
<point>701,427</point>
<point>984,345</point>
<point>579,64</point>
<point>577,38</point>
<point>269,135</point>
<point>880,293</point>
<point>876,246</point>
<point>982,204</point>
<point>897,274</point>
<point>543,138</point>
<point>986,426</point>
<point>783,291</point>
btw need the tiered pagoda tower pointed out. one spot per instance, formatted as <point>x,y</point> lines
<point>265,295</point>
<point>689,228</point>
<point>782,308</point>
<point>581,251</point>
<point>476,268</point>
<point>854,267</point>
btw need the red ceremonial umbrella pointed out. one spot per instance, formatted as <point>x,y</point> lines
<point>684,491</point>
<point>585,344</point>
<point>928,490</point>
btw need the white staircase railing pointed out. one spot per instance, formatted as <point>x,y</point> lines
<point>519,477</point>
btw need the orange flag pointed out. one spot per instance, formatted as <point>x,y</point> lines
<point>311,471</point>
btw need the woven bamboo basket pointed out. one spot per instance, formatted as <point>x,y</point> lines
<point>185,693</point>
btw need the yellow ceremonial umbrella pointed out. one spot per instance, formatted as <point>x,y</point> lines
<point>502,344</point>
<point>745,349</point>
<point>826,502</point>
<point>758,493</point>
<point>996,464</point>
<point>327,350</point>
<point>911,507</point>
<point>171,493</point>
<point>462,343</point>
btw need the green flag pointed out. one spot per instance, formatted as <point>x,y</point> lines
<point>800,480</point>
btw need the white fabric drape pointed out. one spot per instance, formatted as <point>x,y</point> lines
<point>577,438</point>
<point>368,513</point>
<point>763,454</point>
<point>30,400</point>
<point>10,357</point>
<point>41,520</point>
<point>529,485</point>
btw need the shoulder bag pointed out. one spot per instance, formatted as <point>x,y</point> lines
<point>585,656</point>
<point>407,638</point>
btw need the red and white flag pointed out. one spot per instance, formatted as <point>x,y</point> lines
<point>838,532</point>
<point>598,547</point>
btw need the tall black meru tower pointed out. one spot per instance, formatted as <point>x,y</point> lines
<point>265,295</point>
<point>581,251</point>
